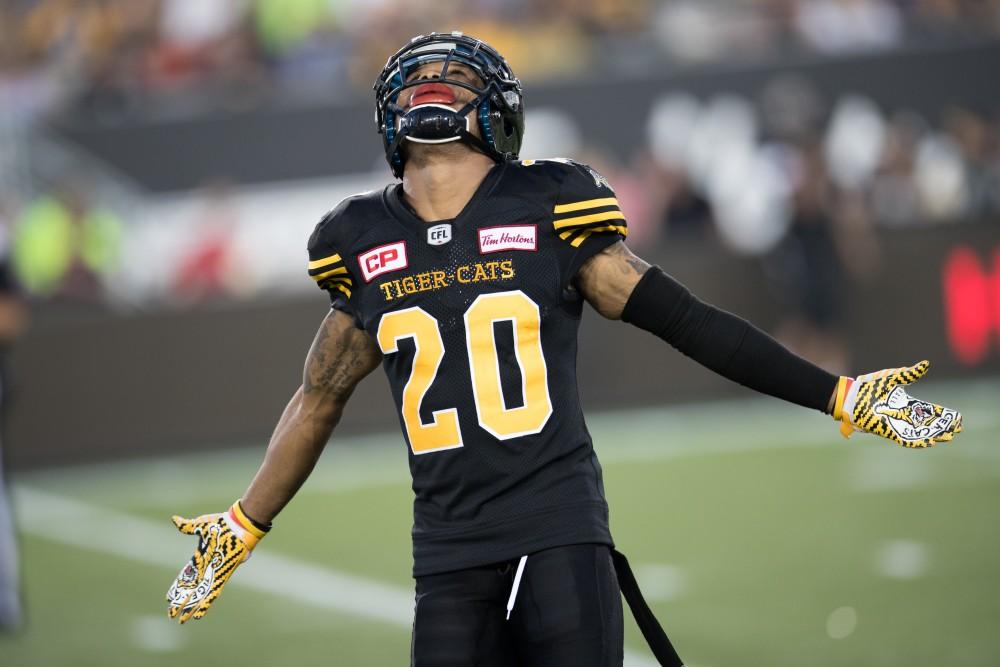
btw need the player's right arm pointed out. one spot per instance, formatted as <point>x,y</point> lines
<point>341,355</point>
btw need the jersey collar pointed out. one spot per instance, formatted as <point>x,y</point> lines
<point>402,212</point>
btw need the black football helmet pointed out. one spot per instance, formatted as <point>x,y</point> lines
<point>498,104</point>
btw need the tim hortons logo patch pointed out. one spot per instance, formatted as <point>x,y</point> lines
<point>383,259</point>
<point>509,237</point>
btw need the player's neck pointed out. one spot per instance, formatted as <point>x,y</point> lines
<point>439,187</point>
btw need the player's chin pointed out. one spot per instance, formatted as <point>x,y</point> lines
<point>422,153</point>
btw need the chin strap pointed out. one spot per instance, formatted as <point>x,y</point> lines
<point>479,145</point>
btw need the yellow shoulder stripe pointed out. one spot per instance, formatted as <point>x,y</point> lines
<point>343,288</point>
<point>326,261</point>
<point>331,272</point>
<point>581,205</point>
<point>586,219</point>
<point>585,234</point>
<point>621,229</point>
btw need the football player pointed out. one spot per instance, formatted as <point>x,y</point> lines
<point>466,281</point>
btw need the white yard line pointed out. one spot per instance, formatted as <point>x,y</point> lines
<point>358,462</point>
<point>107,531</point>
<point>643,434</point>
<point>79,524</point>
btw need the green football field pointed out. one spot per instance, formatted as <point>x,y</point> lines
<point>759,536</point>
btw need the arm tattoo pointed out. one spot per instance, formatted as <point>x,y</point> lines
<point>608,278</point>
<point>625,262</point>
<point>339,358</point>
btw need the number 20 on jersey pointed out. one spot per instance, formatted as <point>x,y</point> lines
<point>443,431</point>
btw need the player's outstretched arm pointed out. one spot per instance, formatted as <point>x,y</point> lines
<point>620,285</point>
<point>340,356</point>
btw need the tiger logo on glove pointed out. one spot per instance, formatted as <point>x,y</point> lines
<point>224,541</point>
<point>877,403</point>
<point>196,578</point>
<point>188,592</point>
<point>913,419</point>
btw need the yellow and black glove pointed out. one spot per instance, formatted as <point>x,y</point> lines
<point>878,403</point>
<point>224,541</point>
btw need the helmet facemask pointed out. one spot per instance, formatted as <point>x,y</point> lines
<point>497,103</point>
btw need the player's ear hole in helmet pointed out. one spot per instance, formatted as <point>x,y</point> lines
<point>498,104</point>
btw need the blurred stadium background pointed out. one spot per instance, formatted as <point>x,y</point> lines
<point>829,169</point>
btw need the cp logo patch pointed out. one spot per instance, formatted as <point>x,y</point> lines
<point>383,259</point>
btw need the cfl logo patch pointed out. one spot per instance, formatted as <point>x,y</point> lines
<point>439,234</point>
<point>383,259</point>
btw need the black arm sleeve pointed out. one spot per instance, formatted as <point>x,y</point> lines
<point>725,343</point>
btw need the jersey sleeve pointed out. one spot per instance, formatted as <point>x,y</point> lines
<point>586,217</point>
<point>327,265</point>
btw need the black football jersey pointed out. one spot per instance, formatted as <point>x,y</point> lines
<point>478,327</point>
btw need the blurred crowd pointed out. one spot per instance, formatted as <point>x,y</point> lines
<point>745,172</point>
<point>787,176</point>
<point>802,183</point>
<point>61,245</point>
<point>810,189</point>
<point>112,53</point>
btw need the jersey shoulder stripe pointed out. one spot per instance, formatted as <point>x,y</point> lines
<point>323,262</point>
<point>330,273</point>
<point>584,205</point>
<point>577,221</point>
<point>333,235</point>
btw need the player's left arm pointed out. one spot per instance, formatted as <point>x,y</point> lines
<point>620,285</point>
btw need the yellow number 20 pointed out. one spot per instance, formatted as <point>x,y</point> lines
<point>491,410</point>
<point>415,323</point>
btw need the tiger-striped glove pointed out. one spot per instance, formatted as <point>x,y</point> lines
<point>878,403</point>
<point>224,541</point>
